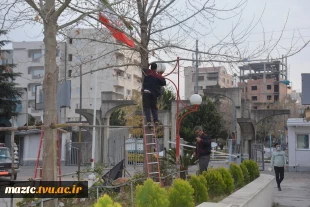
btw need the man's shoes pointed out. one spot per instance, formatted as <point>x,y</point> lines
<point>148,124</point>
<point>279,188</point>
<point>156,123</point>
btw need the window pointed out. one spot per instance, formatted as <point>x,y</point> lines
<point>69,73</point>
<point>232,83</point>
<point>70,57</point>
<point>276,98</point>
<point>128,76</point>
<point>254,98</point>
<point>254,88</point>
<point>33,89</point>
<point>57,53</point>
<point>302,141</point>
<point>200,87</point>
<point>227,81</point>
<point>128,92</point>
<point>35,55</point>
<point>254,107</point>
<point>201,78</point>
<point>37,73</point>
<point>212,78</point>
<point>224,80</point>
<point>268,87</point>
<point>269,97</point>
<point>70,41</point>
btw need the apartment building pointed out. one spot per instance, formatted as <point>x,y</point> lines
<point>208,77</point>
<point>263,83</point>
<point>84,55</point>
<point>79,55</point>
<point>29,60</point>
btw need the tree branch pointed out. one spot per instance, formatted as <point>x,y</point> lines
<point>62,8</point>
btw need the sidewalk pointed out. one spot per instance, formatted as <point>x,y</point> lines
<point>295,189</point>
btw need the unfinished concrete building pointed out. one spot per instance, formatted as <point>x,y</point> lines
<point>263,83</point>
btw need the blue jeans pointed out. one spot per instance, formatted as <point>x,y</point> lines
<point>150,105</point>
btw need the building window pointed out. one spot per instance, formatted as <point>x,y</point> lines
<point>224,80</point>
<point>254,98</point>
<point>254,88</point>
<point>254,107</point>
<point>201,78</point>
<point>128,92</point>
<point>33,89</point>
<point>276,98</point>
<point>69,73</point>
<point>200,87</point>
<point>246,89</point>
<point>227,81</point>
<point>70,57</point>
<point>269,97</point>
<point>268,87</point>
<point>35,55</point>
<point>70,41</point>
<point>128,76</point>
<point>232,83</point>
<point>37,73</point>
<point>302,141</point>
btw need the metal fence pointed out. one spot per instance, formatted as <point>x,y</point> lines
<point>72,153</point>
<point>257,154</point>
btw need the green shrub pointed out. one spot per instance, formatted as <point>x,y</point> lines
<point>181,194</point>
<point>106,201</point>
<point>228,180</point>
<point>237,174</point>
<point>150,194</point>
<point>246,174</point>
<point>215,182</point>
<point>199,183</point>
<point>252,168</point>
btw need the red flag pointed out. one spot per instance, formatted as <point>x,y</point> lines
<point>116,34</point>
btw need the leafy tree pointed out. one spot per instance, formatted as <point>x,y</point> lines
<point>237,174</point>
<point>207,116</point>
<point>228,180</point>
<point>166,98</point>
<point>9,94</point>
<point>118,118</point>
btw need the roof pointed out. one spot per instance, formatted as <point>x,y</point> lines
<point>297,122</point>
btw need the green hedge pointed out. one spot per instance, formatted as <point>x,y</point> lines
<point>252,167</point>
<point>199,183</point>
<point>215,182</point>
<point>228,180</point>
<point>237,174</point>
<point>181,194</point>
<point>245,172</point>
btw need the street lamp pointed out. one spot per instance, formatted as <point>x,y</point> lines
<point>195,101</point>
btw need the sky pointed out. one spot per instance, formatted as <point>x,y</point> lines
<point>290,17</point>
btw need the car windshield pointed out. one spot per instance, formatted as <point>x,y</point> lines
<point>4,153</point>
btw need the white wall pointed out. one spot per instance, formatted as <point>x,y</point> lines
<point>298,158</point>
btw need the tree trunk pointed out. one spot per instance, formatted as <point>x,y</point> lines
<point>50,95</point>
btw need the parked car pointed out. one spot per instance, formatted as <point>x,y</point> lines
<point>6,163</point>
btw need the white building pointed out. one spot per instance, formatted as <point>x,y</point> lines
<point>298,144</point>
<point>29,60</point>
<point>208,77</point>
<point>86,56</point>
<point>79,53</point>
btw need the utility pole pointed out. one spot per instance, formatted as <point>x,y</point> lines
<point>196,73</point>
<point>80,132</point>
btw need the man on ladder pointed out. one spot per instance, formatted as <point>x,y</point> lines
<point>151,91</point>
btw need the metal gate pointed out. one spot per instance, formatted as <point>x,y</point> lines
<point>257,154</point>
<point>72,153</point>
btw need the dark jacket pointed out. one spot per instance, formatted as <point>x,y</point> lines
<point>204,146</point>
<point>153,82</point>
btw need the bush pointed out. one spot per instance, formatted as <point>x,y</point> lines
<point>150,194</point>
<point>200,188</point>
<point>216,185</point>
<point>181,194</point>
<point>252,168</point>
<point>246,174</point>
<point>106,201</point>
<point>237,174</point>
<point>228,180</point>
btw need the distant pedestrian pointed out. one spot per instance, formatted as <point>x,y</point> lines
<point>203,149</point>
<point>278,161</point>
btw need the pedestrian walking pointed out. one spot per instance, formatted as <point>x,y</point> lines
<point>203,149</point>
<point>151,90</point>
<point>278,162</point>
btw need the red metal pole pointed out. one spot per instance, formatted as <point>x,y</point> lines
<point>177,141</point>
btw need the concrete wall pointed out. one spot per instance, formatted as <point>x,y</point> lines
<point>298,158</point>
<point>256,194</point>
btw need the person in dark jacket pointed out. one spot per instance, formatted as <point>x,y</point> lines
<point>152,84</point>
<point>203,148</point>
